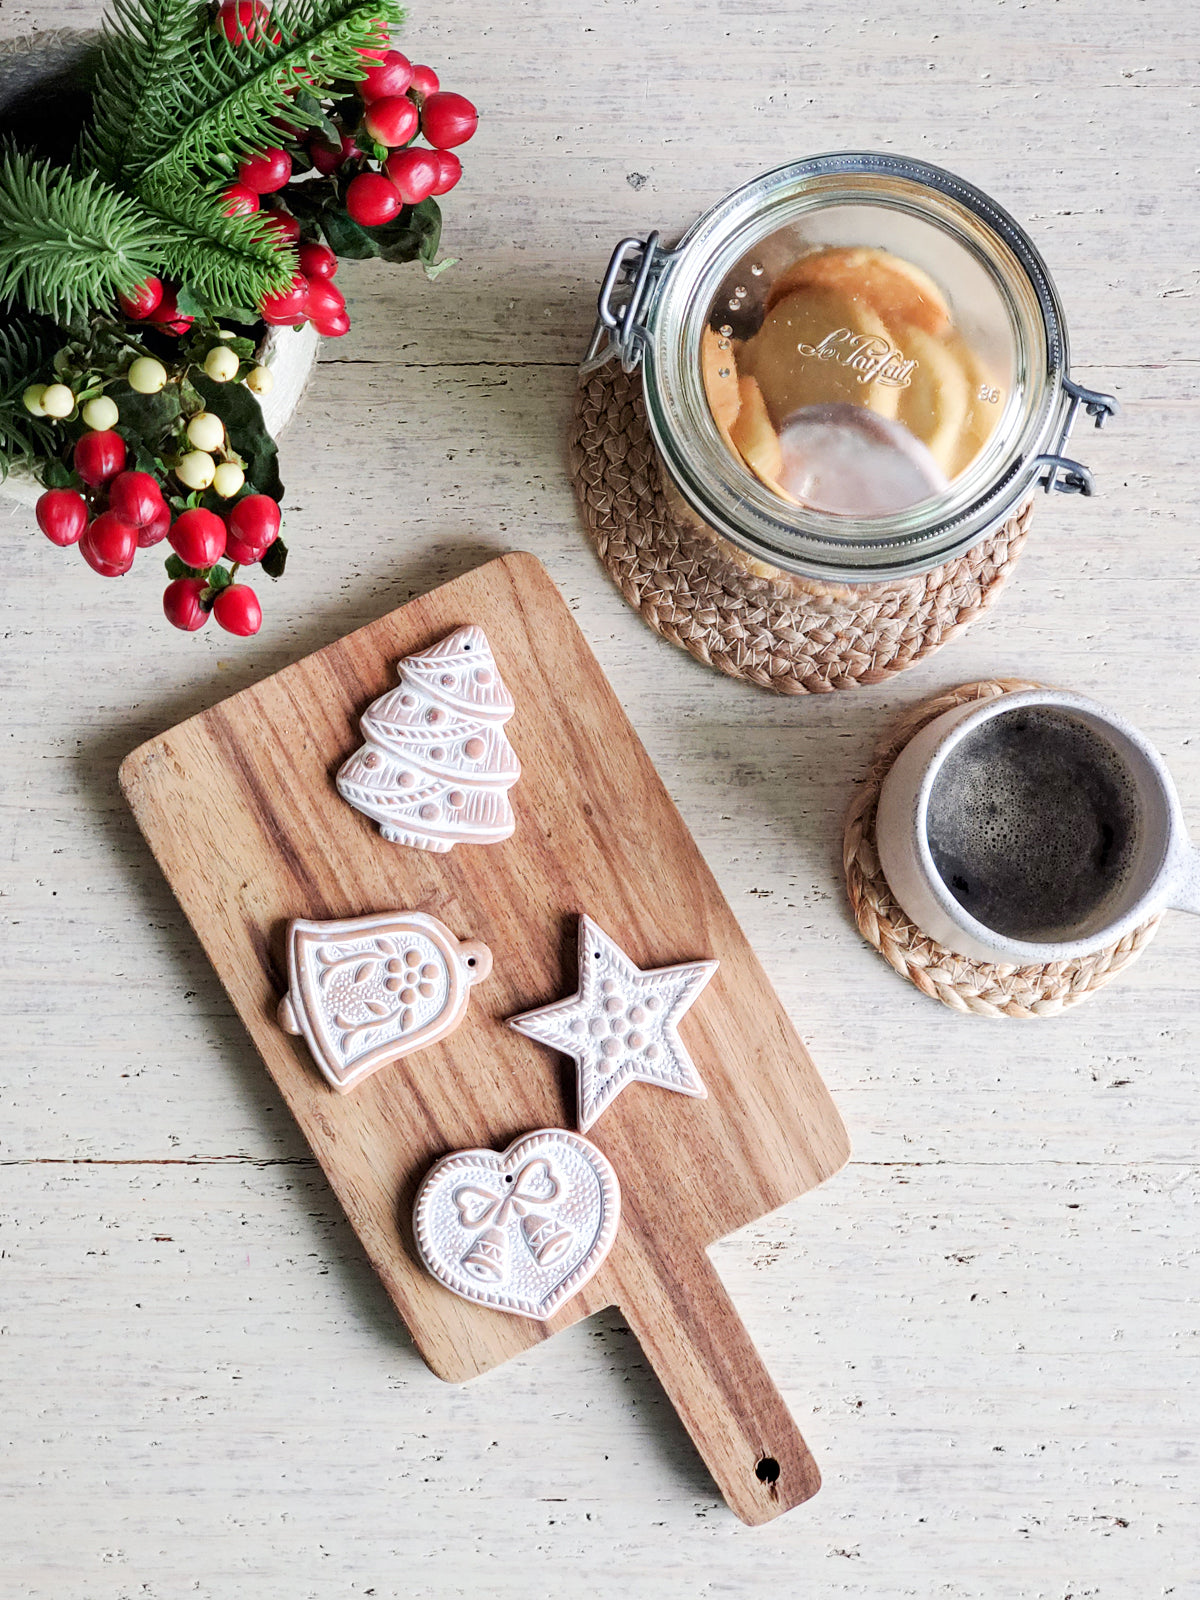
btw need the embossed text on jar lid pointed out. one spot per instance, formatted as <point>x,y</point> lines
<point>858,361</point>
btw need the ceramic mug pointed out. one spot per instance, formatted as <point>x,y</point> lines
<point>1036,826</point>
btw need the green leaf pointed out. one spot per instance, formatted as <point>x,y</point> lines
<point>176,568</point>
<point>242,314</point>
<point>427,219</point>
<point>218,578</point>
<point>148,417</point>
<point>57,475</point>
<point>347,237</point>
<point>275,559</point>
<point>187,304</point>
<point>146,460</point>
<point>26,347</point>
<point>413,236</point>
<point>190,398</point>
<point>313,113</point>
<point>242,415</point>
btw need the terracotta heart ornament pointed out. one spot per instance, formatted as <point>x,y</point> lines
<point>520,1231</point>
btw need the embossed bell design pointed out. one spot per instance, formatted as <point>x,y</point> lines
<point>547,1239</point>
<point>487,1257</point>
<point>476,1208</point>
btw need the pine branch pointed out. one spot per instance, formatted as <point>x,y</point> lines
<point>25,351</point>
<point>176,106</point>
<point>68,244</point>
<point>146,44</point>
<point>225,260</point>
<point>217,106</point>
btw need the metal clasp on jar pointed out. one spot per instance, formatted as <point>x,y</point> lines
<point>623,301</point>
<point>1058,471</point>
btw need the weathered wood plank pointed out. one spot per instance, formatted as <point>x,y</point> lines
<point>994,1360</point>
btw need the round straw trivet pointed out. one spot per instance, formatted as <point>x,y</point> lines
<point>957,981</point>
<point>784,634</point>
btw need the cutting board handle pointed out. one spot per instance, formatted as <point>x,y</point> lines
<point>714,1376</point>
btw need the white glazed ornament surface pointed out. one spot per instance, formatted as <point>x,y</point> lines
<point>437,766</point>
<point>621,1026</point>
<point>367,991</point>
<point>521,1231</point>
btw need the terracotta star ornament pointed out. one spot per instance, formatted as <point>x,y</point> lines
<point>622,1025</point>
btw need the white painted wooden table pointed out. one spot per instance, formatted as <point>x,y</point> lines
<point>988,1326</point>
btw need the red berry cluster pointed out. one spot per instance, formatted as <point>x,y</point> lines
<point>118,512</point>
<point>311,296</point>
<point>122,512</point>
<point>400,102</point>
<point>154,301</point>
<point>200,538</point>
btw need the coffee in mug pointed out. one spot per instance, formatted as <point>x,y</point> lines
<point>1034,826</point>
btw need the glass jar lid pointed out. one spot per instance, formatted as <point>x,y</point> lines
<point>860,377</point>
<point>854,366</point>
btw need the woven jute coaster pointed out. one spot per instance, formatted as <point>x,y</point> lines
<point>987,990</point>
<point>778,632</point>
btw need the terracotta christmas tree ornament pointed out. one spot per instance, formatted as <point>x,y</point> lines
<point>622,1024</point>
<point>436,767</point>
<point>522,1231</point>
<point>366,991</point>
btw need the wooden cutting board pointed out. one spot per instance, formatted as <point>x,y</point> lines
<point>238,804</point>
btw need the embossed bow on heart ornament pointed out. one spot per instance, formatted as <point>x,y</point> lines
<point>521,1230</point>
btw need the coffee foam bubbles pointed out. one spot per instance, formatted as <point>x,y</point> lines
<point>1033,824</point>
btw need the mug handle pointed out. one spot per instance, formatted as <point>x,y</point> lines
<point>1185,896</point>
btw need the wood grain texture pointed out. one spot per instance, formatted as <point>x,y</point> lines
<point>239,807</point>
<point>987,1326</point>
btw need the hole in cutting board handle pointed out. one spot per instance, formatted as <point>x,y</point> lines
<point>767,1470</point>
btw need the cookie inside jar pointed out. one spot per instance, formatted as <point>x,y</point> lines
<point>848,374</point>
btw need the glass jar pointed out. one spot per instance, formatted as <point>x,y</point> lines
<point>855,367</point>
